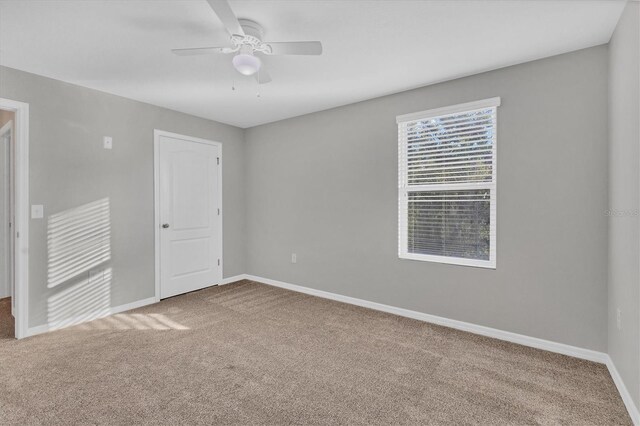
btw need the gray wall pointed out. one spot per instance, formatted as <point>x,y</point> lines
<point>324,186</point>
<point>624,197</point>
<point>70,168</point>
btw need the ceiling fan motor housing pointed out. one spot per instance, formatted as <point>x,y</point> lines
<point>252,28</point>
<point>252,38</point>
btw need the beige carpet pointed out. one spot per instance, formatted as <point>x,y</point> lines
<point>247,353</point>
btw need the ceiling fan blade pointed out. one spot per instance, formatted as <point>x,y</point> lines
<point>262,76</point>
<point>295,48</point>
<point>199,51</point>
<point>226,15</point>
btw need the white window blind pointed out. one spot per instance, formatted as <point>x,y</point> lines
<point>447,184</point>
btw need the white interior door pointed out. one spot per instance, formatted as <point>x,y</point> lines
<point>190,231</point>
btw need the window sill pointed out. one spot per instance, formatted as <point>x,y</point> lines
<point>486,264</point>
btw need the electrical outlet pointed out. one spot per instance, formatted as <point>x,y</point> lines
<point>619,319</point>
<point>294,258</point>
<point>107,142</point>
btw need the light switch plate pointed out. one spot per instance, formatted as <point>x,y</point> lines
<point>37,211</point>
<point>107,142</point>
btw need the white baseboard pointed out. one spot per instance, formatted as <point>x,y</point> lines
<point>624,392</point>
<point>508,336</point>
<point>32,331</point>
<point>233,279</point>
<point>534,342</point>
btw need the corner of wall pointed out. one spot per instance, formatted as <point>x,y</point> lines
<point>623,284</point>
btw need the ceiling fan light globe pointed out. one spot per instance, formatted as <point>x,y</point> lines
<point>246,64</point>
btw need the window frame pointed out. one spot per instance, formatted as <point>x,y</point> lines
<point>404,189</point>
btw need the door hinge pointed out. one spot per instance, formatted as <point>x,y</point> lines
<point>218,262</point>
<point>218,212</point>
<point>218,158</point>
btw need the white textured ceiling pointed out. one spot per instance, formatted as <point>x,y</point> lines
<point>371,48</point>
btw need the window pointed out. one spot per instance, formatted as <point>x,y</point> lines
<point>447,184</point>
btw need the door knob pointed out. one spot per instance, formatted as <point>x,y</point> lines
<point>165,225</point>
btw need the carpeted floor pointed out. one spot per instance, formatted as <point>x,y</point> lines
<point>247,353</point>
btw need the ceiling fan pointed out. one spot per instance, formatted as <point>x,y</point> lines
<point>246,40</point>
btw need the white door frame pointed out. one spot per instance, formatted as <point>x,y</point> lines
<point>21,193</point>
<point>156,197</point>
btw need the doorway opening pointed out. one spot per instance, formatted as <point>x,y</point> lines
<point>7,298</point>
<point>14,218</point>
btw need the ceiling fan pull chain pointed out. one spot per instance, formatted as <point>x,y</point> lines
<point>258,88</point>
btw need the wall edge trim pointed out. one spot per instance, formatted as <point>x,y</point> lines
<point>634,413</point>
<point>233,279</point>
<point>533,342</point>
<point>521,339</point>
<point>39,329</point>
